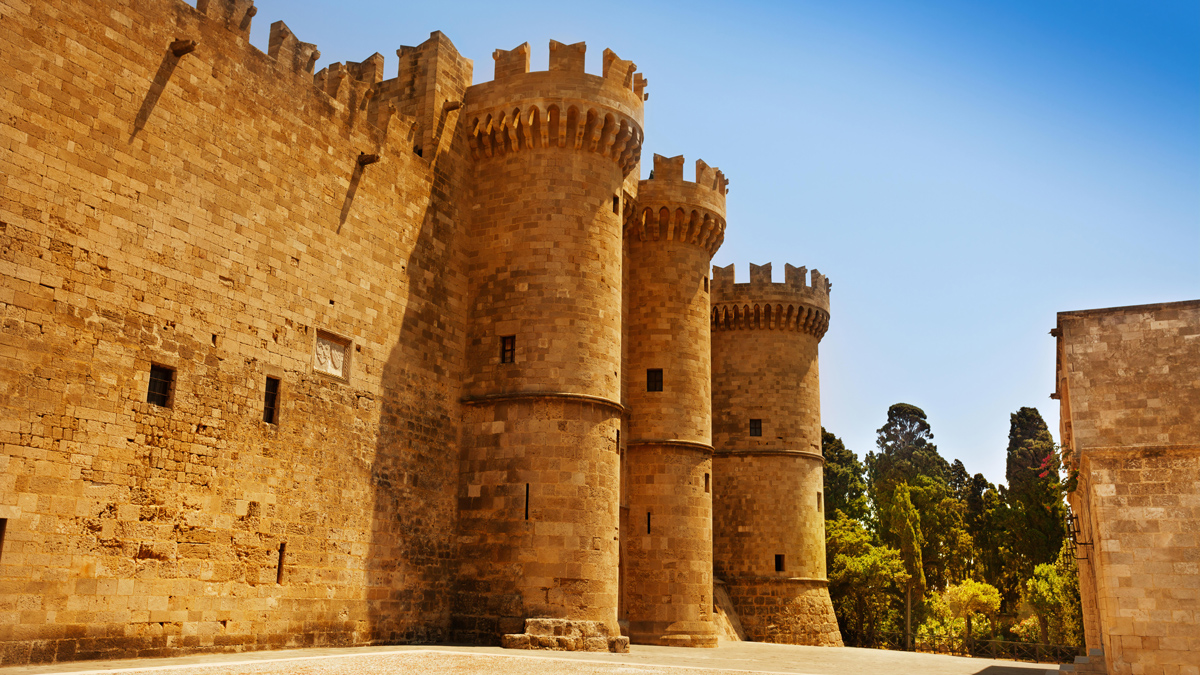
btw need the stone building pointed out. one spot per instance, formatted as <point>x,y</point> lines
<point>295,358</point>
<point>1129,390</point>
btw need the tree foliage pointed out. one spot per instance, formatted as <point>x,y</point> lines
<point>845,489</point>
<point>905,524</point>
<point>971,598</point>
<point>863,579</point>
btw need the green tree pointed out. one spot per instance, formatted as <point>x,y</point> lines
<point>862,578</point>
<point>1053,595</point>
<point>904,452</point>
<point>1038,515</point>
<point>845,490</point>
<point>971,598</point>
<point>907,522</point>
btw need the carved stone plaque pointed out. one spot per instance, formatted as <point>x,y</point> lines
<point>330,357</point>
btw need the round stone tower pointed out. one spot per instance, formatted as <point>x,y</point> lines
<point>539,483</point>
<point>768,504</point>
<point>670,240</point>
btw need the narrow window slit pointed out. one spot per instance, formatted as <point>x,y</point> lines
<point>707,486</point>
<point>527,501</point>
<point>279,565</point>
<point>778,562</point>
<point>647,522</point>
<point>616,204</point>
<point>818,501</point>
<point>3,527</point>
<point>271,400</point>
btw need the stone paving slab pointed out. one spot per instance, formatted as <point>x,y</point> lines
<point>729,657</point>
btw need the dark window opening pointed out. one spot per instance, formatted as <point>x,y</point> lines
<point>618,441</point>
<point>270,400</point>
<point>705,284</point>
<point>279,565</point>
<point>654,379</point>
<point>647,522</point>
<point>616,204</point>
<point>3,527</point>
<point>159,392</point>
<point>756,427</point>
<point>778,562</point>
<point>508,349</point>
<point>707,487</point>
<point>818,501</point>
<point>527,501</point>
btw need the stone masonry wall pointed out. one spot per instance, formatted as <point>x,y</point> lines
<point>206,212</point>
<point>1128,385</point>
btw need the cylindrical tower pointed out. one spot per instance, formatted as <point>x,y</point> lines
<point>768,505</point>
<point>539,484</point>
<point>670,238</point>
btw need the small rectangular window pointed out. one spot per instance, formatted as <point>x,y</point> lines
<point>270,400</point>
<point>707,486</point>
<point>508,349</point>
<point>705,284</point>
<point>818,501</point>
<point>778,562</point>
<point>756,427</point>
<point>647,522</point>
<point>3,527</point>
<point>279,565</point>
<point>654,379</point>
<point>616,204</point>
<point>159,392</point>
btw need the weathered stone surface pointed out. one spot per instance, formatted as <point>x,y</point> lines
<point>337,446</point>
<point>1129,386</point>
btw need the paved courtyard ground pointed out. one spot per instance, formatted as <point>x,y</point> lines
<point>730,657</point>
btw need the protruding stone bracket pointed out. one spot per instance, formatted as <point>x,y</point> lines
<point>366,160</point>
<point>181,48</point>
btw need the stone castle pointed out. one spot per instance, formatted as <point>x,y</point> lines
<point>296,359</point>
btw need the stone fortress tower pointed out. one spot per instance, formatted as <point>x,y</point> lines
<point>768,520</point>
<point>540,469</point>
<point>401,359</point>
<point>670,237</point>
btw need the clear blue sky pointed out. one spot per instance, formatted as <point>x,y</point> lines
<point>961,170</point>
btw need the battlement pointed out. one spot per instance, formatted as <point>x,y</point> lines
<point>795,304</point>
<point>670,169</point>
<point>669,208</point>
<point>563,107</point>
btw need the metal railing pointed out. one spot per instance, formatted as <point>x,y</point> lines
<point>995,649</point>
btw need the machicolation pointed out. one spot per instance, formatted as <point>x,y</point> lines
<point>305,358</point>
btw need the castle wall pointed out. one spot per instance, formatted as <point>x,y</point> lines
<point>768,520</point>
<point>551,151</point>
<point>1127,383</point>
<point>206,212</point>
<point>670,237</point>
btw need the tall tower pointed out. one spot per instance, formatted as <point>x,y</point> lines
<point>768,505</point>
<point>539,483</point>
<point>670,240</point>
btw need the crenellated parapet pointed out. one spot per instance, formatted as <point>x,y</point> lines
<point>563,107</point>
<point>800,303</point>
<point>237,14</point>
<point>669,208</point>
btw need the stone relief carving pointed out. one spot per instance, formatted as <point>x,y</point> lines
<point>330,357</point>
